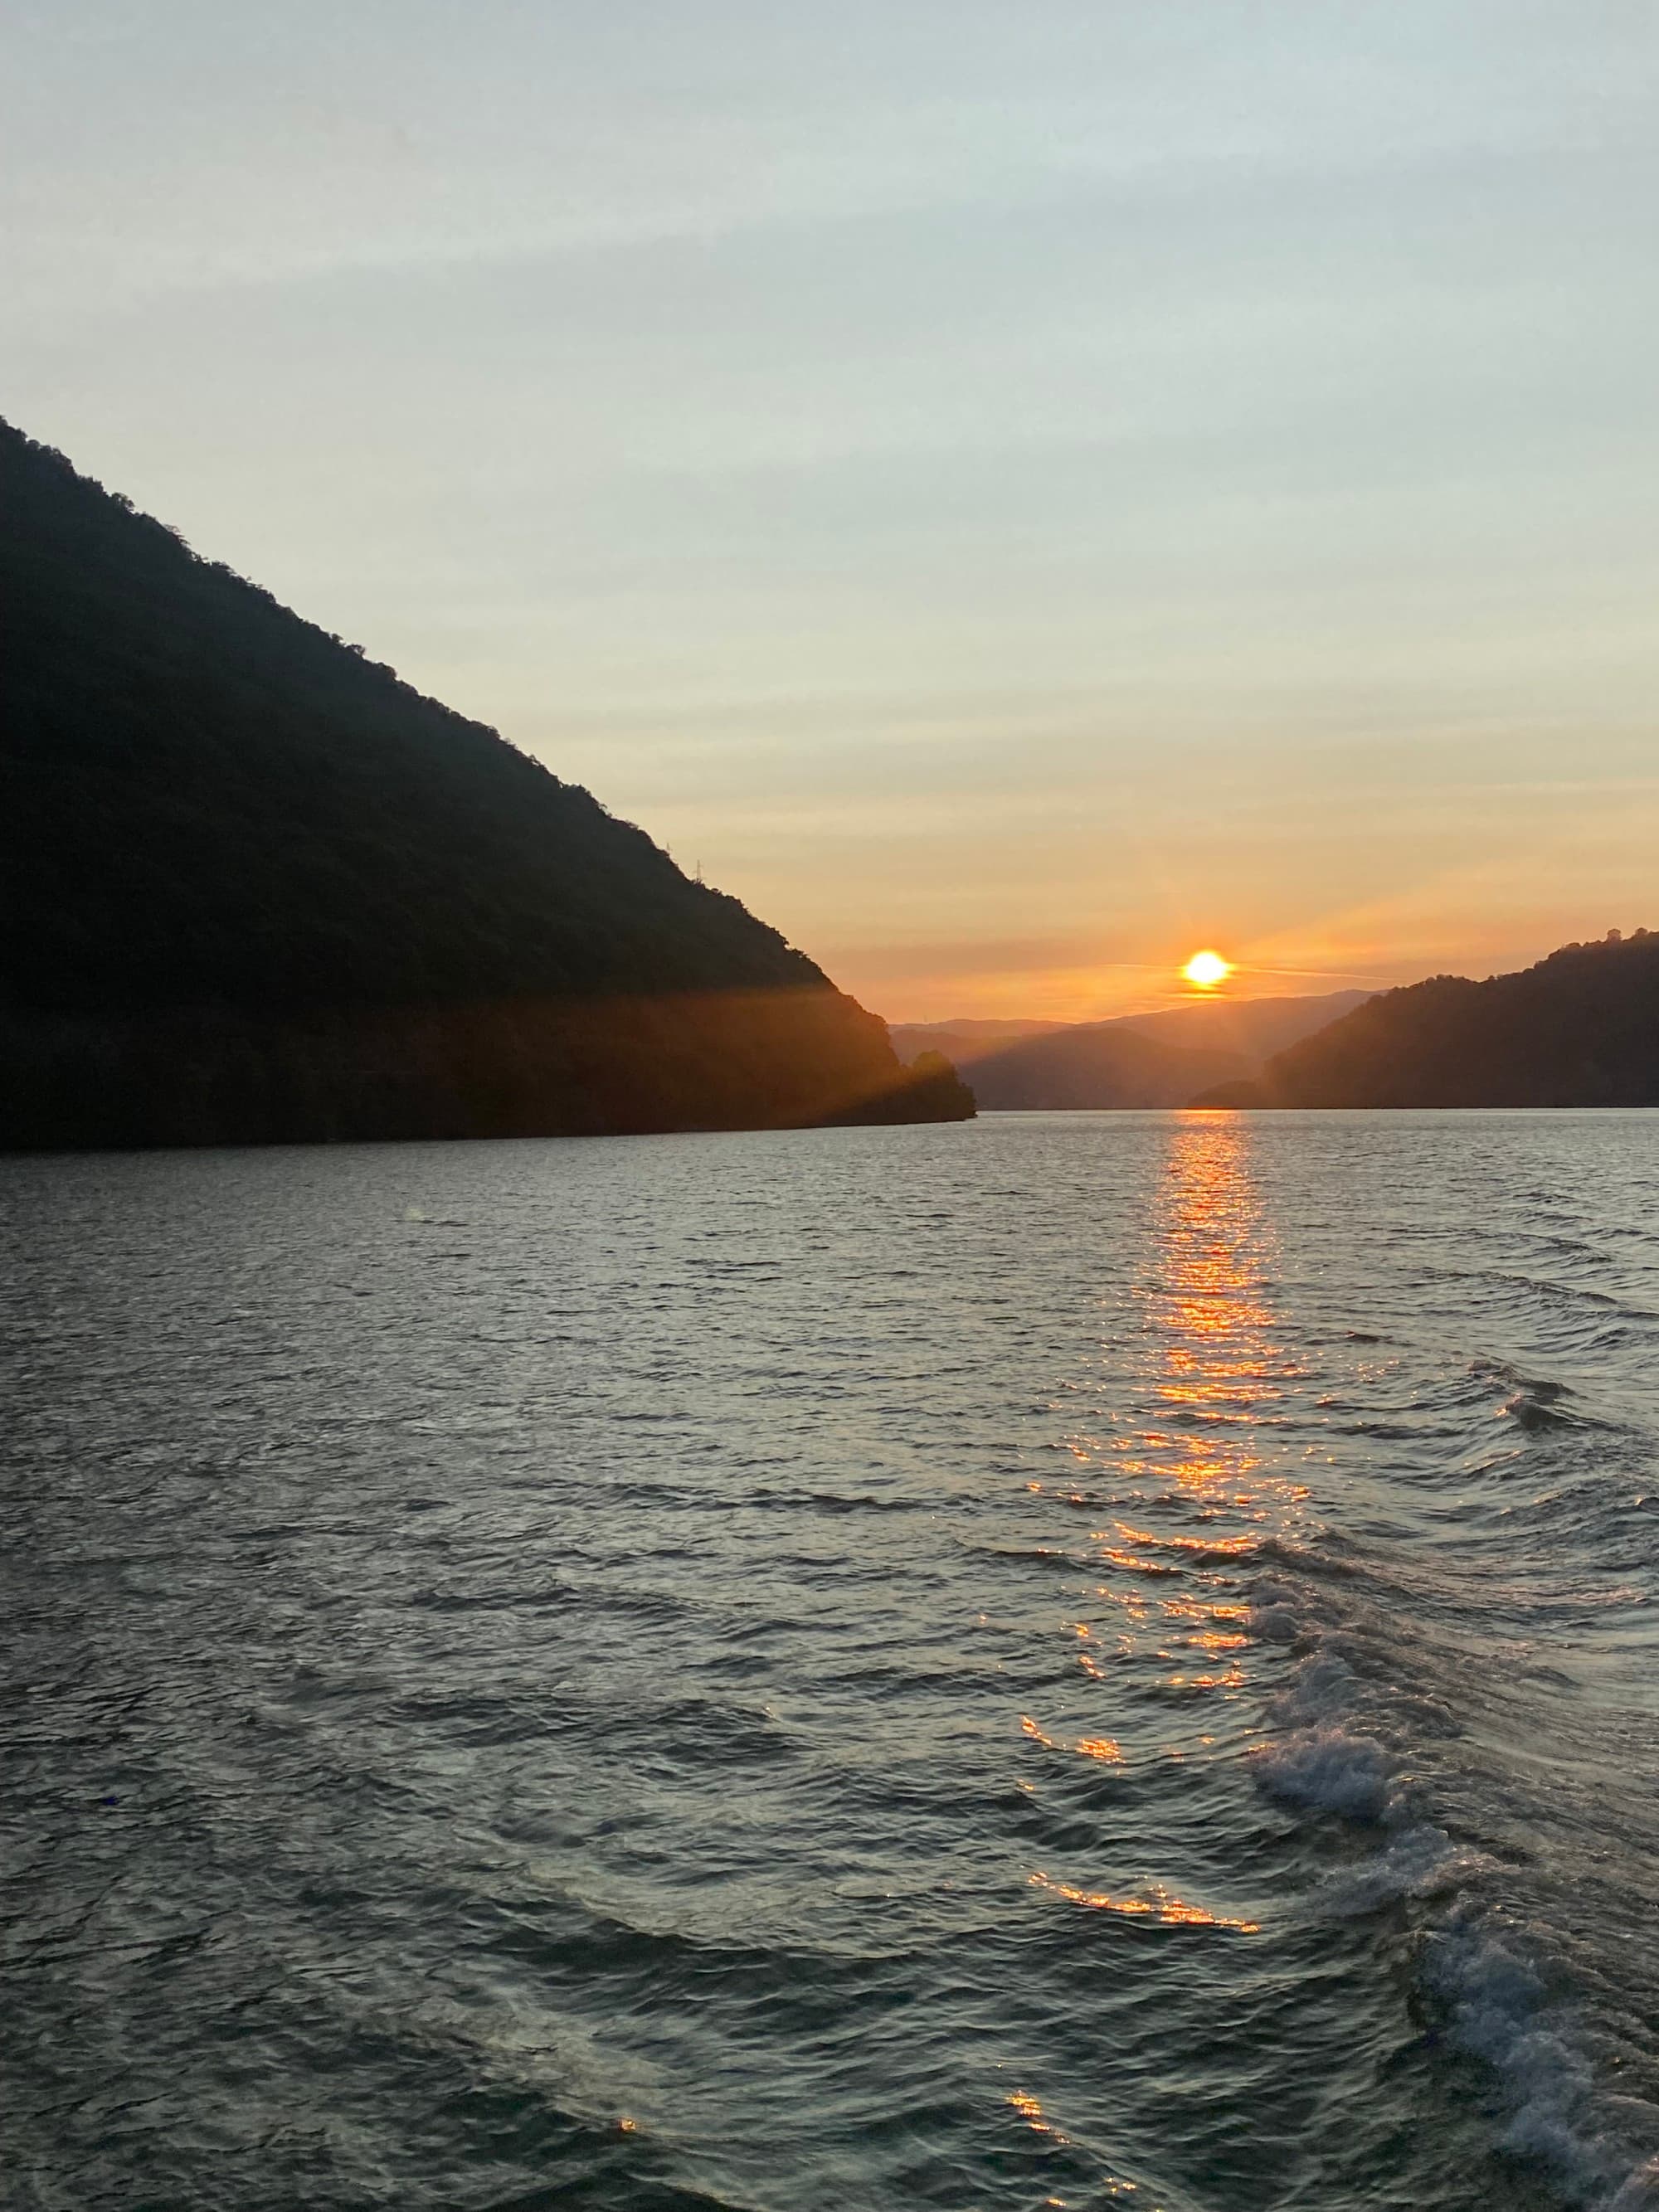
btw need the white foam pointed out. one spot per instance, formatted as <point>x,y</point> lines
<point>1498,2007</point>
<point>1501,2013</point>
<point>1422,1860</point>
<point>1331,1770</point>
<point>1324,1688</point>
<point>1274,1624</point>
<point>1320,1763</point>
<point>1640,2192</point>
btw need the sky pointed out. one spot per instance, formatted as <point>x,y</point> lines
<point>1013,492</point>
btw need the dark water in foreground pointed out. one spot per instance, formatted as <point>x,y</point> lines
<point>1068,1661</point>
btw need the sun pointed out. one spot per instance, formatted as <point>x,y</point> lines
<point>1206,969</point>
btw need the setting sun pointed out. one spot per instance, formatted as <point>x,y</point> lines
<point>1206,969</point>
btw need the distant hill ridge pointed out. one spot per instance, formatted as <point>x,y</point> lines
<point>1578,1029</point>
<point>1096,1065</point>
<point>254,887</point>
<point>1135,1061</point>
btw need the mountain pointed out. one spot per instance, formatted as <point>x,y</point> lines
<point>255,888</point>
<point>1135,1060</point>
<point>1104,1064</point>
<point>1254,1027</point>
<point>962,1042</point>
<point>1579,1028</point>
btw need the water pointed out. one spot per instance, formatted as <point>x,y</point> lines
<point>1074,1660</point>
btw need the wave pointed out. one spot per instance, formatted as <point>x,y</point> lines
<point>1491,1987</point>
<point>1331,1771</point>
<point>1498,2007</point>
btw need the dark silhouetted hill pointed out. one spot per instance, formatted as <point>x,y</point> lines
<point>1134,1061</point>
<point>1580,1028</point>
<point>253,887</point>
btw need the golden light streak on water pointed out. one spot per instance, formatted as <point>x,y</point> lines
<point>1103,1748</point>
<point>1158,1906</point>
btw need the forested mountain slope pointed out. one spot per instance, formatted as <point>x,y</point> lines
<point>254,887</point>
<point>1579,1028</point>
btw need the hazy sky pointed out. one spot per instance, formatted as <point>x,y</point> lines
<point>1015,490</point>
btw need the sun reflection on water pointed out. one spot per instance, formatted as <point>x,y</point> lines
<point>1157,1905</point>
<point>1030,2110</point>
<point>1183,1474</point>
<point>1103,1748</point>
<point>1204,1475</point>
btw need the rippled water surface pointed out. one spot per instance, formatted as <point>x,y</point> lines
<point>1067,1661</point>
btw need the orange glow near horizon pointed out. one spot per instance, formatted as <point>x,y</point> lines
<point>1207,969</point>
